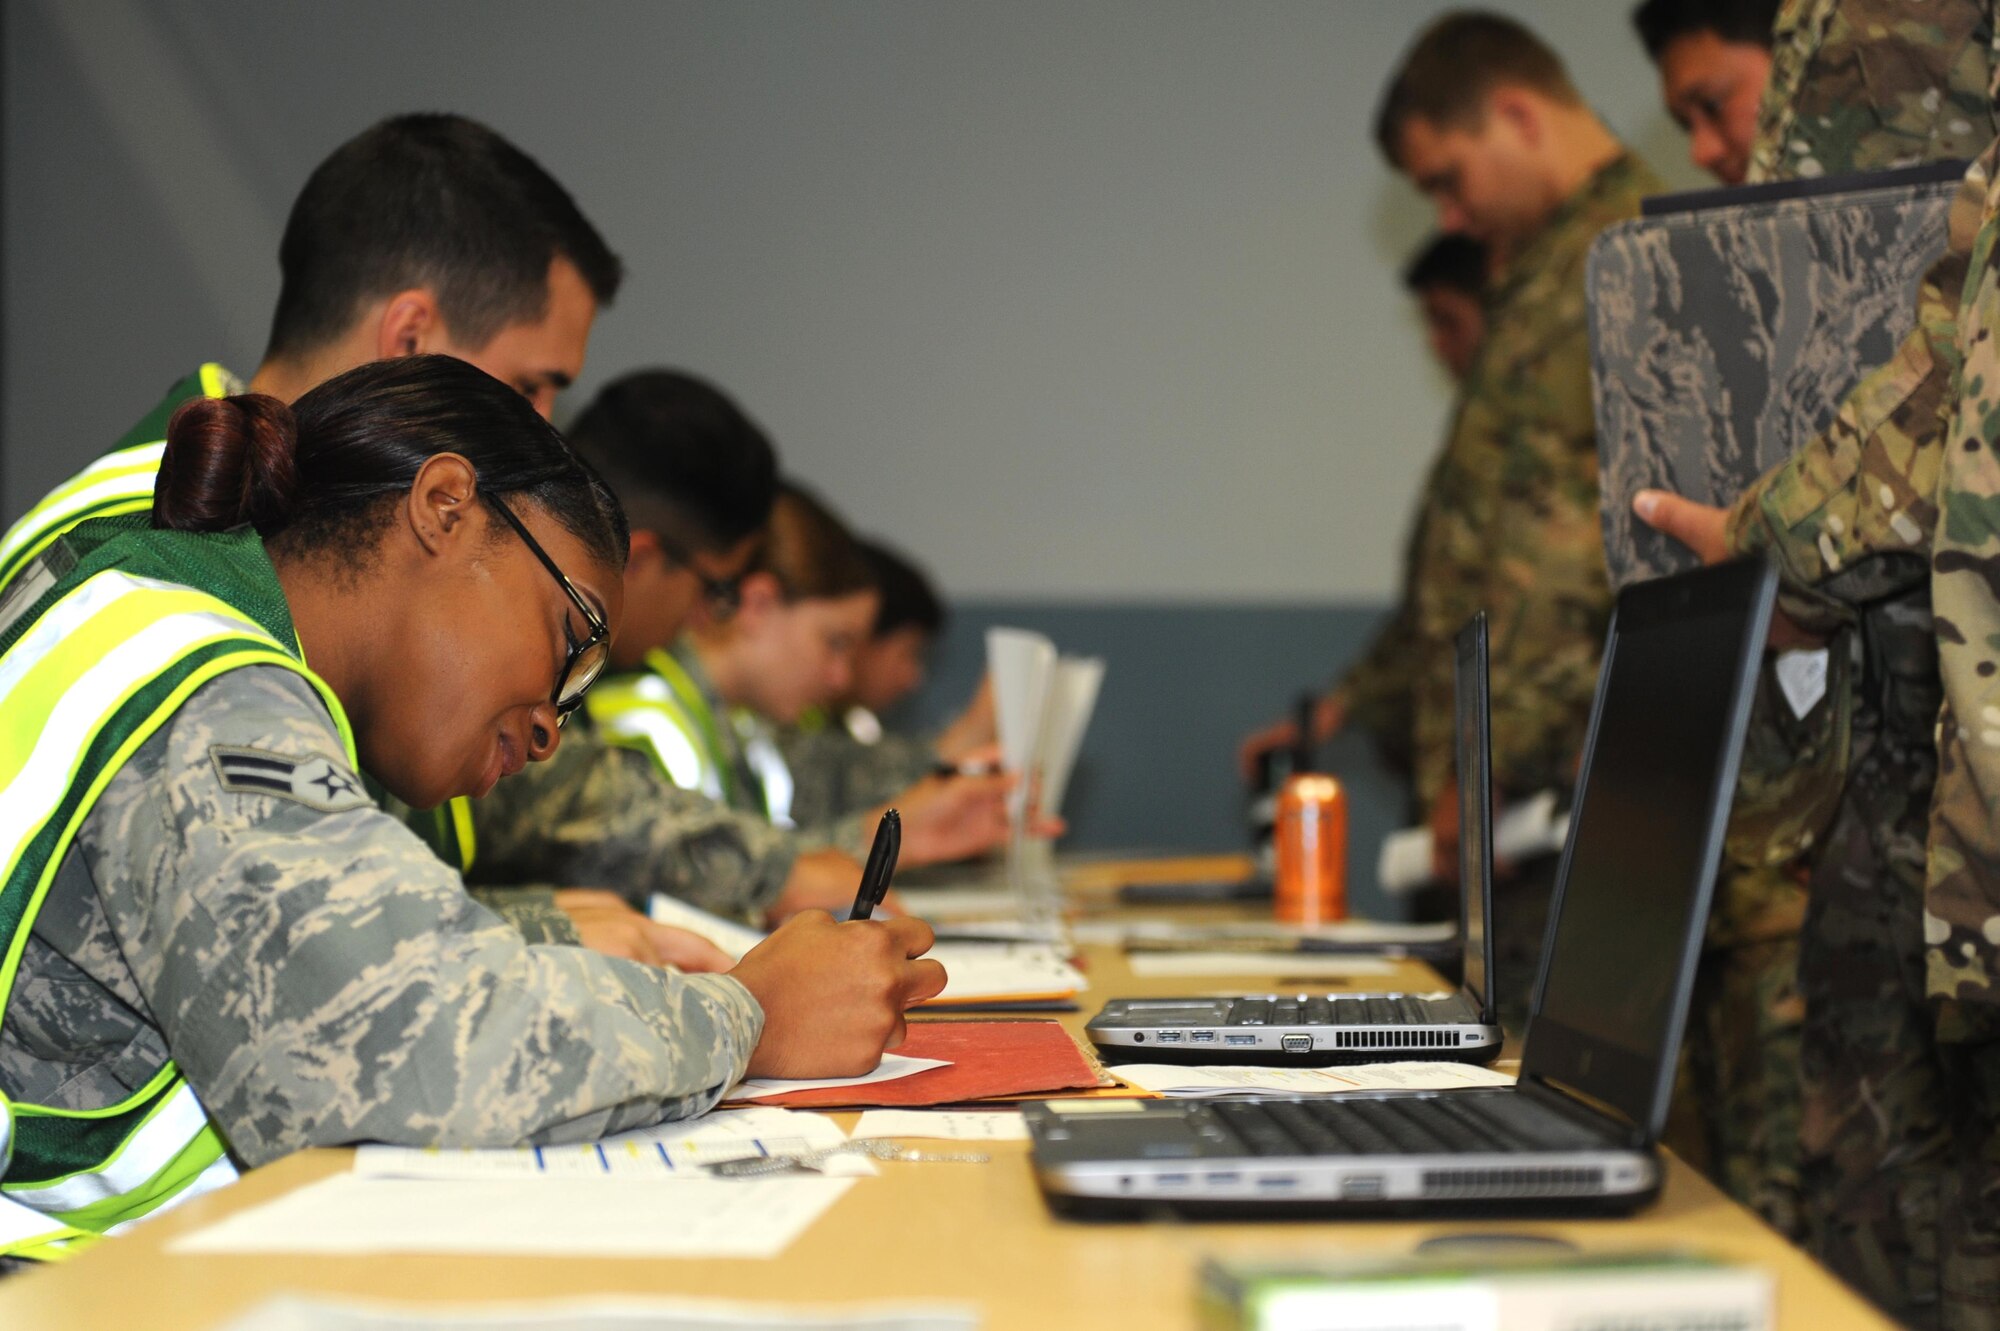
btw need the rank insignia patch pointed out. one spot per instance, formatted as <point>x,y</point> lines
<point>317,783</point>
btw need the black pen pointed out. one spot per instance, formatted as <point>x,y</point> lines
<point>881,866</point>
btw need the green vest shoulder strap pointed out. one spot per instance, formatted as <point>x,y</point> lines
<point>105,655</point>
<point>118,484</point>
<point>660,712</point>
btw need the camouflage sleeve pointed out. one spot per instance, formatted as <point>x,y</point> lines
<point>834,774</point>
<point>1962,870</point>
<point>322,978</point>
<point>1520,536</point>
<point>596,815</point>
<point>1375,690</point>
<point>532,911</point>
<point>1849,516</point>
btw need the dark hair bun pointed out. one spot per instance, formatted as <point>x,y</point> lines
<point>228,461</point>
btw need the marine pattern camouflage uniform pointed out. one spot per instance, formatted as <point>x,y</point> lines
<point>1865,85</point>
<point>1856,85</point>
<point>1901,1125</point>
<point>598,815</point>
<point>1515,533</point>
<point>321,977</point>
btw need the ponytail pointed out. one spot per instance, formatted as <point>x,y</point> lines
<point>228,461</point>
<point>320,476</point>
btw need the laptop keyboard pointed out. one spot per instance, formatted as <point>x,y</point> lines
<point>1374,1010</point>
<point>1400,1125</point>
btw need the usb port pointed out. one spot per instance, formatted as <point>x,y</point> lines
<point>1201,1037</point>
<point>1361,1187</point>
<point>1173,1180</point>
<point>1276,1183</point>
<point>1227,1179</point>
<point>1168,1037</point>
<point>1240,1041</point>
<point>1297,1044</point>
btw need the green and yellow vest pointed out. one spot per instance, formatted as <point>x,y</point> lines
<point>102,638</point>
<point>663,712</point>
<point>119,486</point>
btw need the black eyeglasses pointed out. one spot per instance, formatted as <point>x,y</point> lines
<point>723,595</point>
<point>586,659</point>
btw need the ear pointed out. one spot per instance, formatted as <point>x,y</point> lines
<point>1518,111</point>
<point>410,324</point>
<point>438,509</point>
<point>644,544</point>
<point>762,597</point>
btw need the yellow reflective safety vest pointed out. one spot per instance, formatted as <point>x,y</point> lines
<point>665,712</point>
<point>120,485</point>
<point>102,638</point>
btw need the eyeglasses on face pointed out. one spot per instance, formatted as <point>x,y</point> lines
<point>585,660</point>
<point>724,596</point>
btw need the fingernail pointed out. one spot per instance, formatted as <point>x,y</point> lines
<point>1645,502</point>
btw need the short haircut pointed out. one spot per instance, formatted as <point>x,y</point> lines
<point>1455,63</point>
<point>1745,22</point>
<point>1456,263</point>
<point>682,456</point>
<point>908,598</point>
<point>810,551</point>
<point>433,201</point>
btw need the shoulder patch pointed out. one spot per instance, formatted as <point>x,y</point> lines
<point>316,782</point>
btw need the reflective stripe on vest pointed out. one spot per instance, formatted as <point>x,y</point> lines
<point>67,688</point>
<point>774,774</point>
<point>641,712</point>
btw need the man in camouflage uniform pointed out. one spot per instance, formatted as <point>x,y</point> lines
<point>1871,523</point>
<point>1484,120</point>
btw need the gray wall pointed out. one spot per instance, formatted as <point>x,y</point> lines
<point>1089,302</point>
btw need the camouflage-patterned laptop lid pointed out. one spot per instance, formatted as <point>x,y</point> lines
<point>1727,325</point>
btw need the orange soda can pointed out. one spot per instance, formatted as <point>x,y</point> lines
<point>1311,837</point>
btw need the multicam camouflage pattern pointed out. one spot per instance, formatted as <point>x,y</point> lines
<point>1515,531</point>
<point>1865,85</point>
<point>835,774</point>
<point>597,815</point>
<point>320,977</point>
<point>1896,497</point>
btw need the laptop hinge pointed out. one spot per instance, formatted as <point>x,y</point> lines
<point>1583,1110</point>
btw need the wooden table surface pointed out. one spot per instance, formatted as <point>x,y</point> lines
<point>965,1233</point>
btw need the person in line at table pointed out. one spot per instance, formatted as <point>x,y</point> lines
<point>227,950</point>
<point>1897,1114</point>
<point>423,233</point>
<point>1714,58</point>
<point>1483,119</point>
<point>842,757</point>
<point>699,478</point>
<point>1448,278</point>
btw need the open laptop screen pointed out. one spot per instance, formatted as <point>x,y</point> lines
<point>1475,810</point>
<point>1646,832</point>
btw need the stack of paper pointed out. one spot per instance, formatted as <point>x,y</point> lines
<point>1042,706</point>
<point>1523,831</point>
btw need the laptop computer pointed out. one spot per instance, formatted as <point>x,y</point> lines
<point>1577,1133</point>
<point>1301,1030</point>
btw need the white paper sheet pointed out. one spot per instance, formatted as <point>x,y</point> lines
<point>1022,665</point>
<point>1304,965</point>
<point>893,1067</point>
<point>959,1125</point>
<point>1523,830</point>
<point>291,1312</point>
<point>1000,970</point>
<point>1208,1082</point>
<point>540,1217</point>
<point>1072,697</point>
<point>733,938</point>
<point>955,903</point>
<point>1387,933</point>
<point>666,1151</point>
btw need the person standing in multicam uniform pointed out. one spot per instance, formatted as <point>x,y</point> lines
<point>1482,117</point>
<point>1899,1117</point>
<point>407,570</point>
<point>1448,278</point>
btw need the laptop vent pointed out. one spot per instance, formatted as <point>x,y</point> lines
<point>1395,1039</point>
<point>1514,1182</point>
